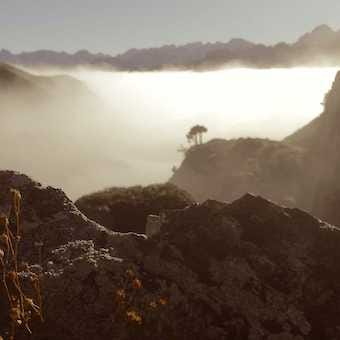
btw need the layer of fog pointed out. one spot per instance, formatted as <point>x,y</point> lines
<point>132,133</point>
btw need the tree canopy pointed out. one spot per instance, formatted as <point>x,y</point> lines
<point>196,134</point>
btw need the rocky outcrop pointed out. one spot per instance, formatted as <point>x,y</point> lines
<point>49,217</point>
<point>225,170</point>
<point>245,270</point>
<point>127,209</point>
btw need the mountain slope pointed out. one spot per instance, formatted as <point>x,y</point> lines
<point>321,139</point>
<point>44,123</point>
<point>14,82</point>
<point>23,94</point>
<point>225,170</point>
<point>302,170</point>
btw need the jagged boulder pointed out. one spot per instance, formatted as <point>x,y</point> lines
<point>243,270</point>
<point>48,217</point>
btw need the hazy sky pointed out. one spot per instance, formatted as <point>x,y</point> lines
<point>112,26</point>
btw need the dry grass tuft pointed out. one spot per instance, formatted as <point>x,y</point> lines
<point>20,306</point>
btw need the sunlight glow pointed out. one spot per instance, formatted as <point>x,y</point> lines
<point>135,141</point>
<point>232,103</point>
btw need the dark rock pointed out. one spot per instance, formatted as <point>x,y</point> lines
<point>49,217</point>
<point>243,270</point>
<point>127,209</point>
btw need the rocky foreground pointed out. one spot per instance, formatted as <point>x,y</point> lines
<point>243,270</point>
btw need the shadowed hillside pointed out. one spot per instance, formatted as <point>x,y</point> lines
<point>42,117</point>
<point>112,207</point>
<point>321,138</point>
<point>225,170</point>
<point>21,87</point>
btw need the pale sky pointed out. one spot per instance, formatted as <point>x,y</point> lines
<point>113,26</point>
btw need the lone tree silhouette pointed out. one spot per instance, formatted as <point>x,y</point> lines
<point>196,134</point>
<point>201,130</point>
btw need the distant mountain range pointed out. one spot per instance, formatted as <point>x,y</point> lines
<point>51,58</point>
<point>321,47</point>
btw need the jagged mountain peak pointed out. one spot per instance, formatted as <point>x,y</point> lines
<point>322,40</point>
<point>322,29</point>
<point>239,43</point>
<point>320,36</point>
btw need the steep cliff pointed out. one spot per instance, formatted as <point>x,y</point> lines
<point>321,140</point>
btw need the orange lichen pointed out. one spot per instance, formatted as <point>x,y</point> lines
<point>153,304</point>
<point>121,294</point>
<point>134,316</point>
<point>163,301</point>
<point>130,273</point>
<point>136,284</point>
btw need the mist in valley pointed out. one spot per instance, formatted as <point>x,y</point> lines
<point>124,128</point>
